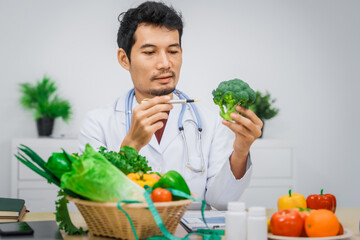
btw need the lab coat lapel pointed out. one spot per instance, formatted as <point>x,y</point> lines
<point>154,144</point>
<point>119,106</point>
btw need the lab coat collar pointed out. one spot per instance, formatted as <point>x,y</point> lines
<point>119,106</point>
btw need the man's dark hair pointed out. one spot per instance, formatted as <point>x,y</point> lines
<point>153,13</point>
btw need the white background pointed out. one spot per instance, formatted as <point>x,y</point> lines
<point>306,53</point>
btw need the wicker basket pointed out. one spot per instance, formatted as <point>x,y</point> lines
<point>105,219</point>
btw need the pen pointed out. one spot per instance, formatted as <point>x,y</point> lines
<point>183,101</point>
<point>175,101</point>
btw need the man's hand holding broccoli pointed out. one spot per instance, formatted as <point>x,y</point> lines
<point>234,97</point>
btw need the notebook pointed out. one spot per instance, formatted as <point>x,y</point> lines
<point>11,207</point>
<point>192,220</point>
<point>4,219</point>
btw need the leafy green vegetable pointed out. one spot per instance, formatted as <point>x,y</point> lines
<point>63,217</point>
<point>231,93</point>
<point>127,160</point>
<point>94,177</point>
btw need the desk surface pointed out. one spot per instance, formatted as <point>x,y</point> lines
<point>349,217</point>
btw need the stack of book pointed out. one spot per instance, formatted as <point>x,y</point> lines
<point>11,209</point>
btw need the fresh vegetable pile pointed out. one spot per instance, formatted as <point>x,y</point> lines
<point>310,217</point>
<point>127,160</point>
<point>95,178</point>
<point>231,93</point>
<point>103,176</point>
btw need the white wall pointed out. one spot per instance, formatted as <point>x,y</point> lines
<point>306,53</point>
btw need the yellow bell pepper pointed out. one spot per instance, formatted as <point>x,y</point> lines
<point>293,200</point>
<point>143,179</point>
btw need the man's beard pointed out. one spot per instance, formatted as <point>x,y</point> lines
<point>161,92</point>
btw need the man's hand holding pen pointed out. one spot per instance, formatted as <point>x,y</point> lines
<point>145,121</point>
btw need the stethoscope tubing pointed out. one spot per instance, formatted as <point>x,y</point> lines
<point>128,108</point>
<point>192,105</point>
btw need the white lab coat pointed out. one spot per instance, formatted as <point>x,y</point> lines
<point>217,185</point>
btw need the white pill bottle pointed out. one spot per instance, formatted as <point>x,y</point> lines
<point>235,221</point>
<point>257,224</point>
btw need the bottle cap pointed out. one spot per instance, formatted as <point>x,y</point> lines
<point>257,211</point>
<point>236,206</point>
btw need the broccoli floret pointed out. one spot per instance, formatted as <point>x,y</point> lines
<point>231,93</point>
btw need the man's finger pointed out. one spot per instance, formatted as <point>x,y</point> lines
<point>241,120</point>
<point>157,117</point>
<point>158,108</point>
<point>253,128</point>
<point>236,128</point>
<point>154,101</point>
<point>250,114</point>
<point>153,106</point>
<point>154,127</point>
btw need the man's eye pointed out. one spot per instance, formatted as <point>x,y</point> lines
<point>148,52</point>
<point>173,52</point>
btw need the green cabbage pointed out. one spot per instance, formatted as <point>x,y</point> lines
<point>95,178</point>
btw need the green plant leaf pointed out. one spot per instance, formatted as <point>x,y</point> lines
<point>42,100</point>
<point>263,106</point>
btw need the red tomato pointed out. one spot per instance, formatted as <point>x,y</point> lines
<point>341,230</point>
<point>287,222</point>
<point>161,195</point>
<point>304,213</point>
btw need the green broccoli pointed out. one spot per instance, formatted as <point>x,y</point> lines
<point>231,93</point>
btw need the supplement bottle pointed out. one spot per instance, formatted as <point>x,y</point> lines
<point>235,221</point>
<point>257,224</point>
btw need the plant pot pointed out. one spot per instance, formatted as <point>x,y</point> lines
<point>45,126</point>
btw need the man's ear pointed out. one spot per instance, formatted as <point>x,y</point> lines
<point>123,59</point>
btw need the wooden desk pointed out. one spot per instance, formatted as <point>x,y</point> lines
<point>349,217</point>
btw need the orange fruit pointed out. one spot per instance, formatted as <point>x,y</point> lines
<point>322,223</point>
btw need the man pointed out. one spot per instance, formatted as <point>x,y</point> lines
<point>218,167</point>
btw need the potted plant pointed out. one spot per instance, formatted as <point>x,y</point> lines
<point>263,108</point>
<point>47,105</point>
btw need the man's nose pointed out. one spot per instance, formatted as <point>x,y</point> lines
<point>164,61</point>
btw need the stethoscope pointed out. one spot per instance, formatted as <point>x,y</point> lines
<point>128,113</point>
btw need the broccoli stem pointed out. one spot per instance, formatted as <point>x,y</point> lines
<point>221,109</point>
